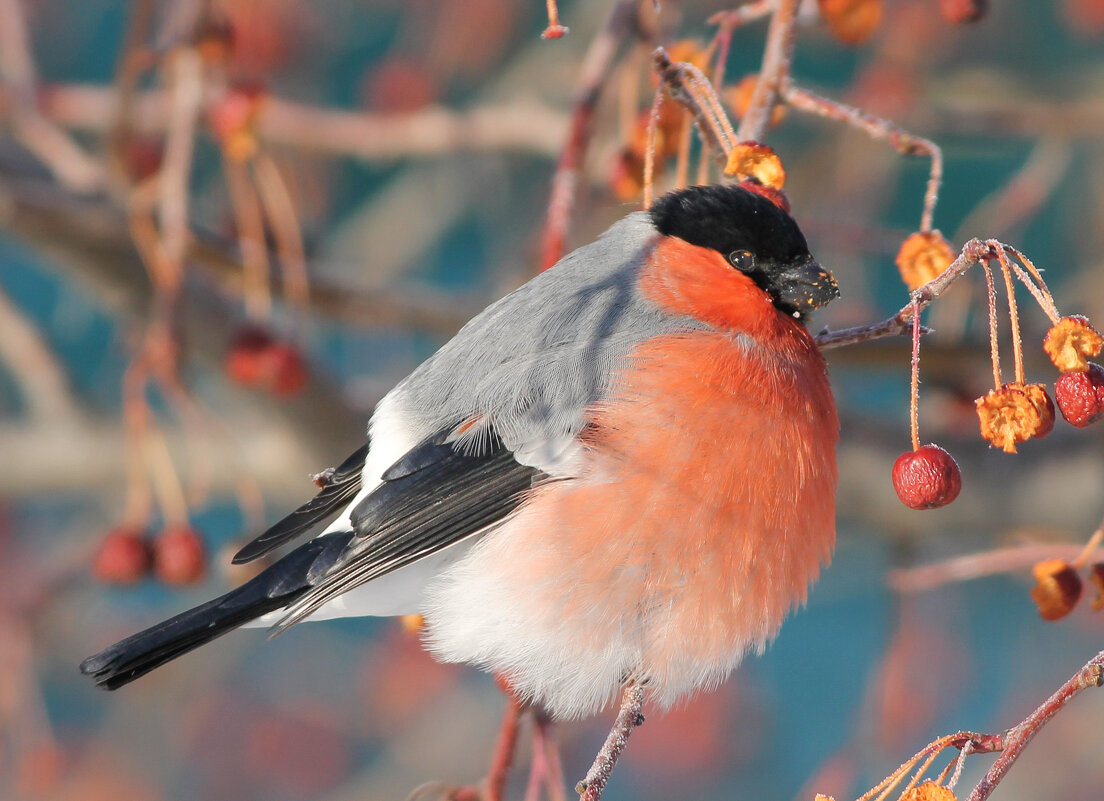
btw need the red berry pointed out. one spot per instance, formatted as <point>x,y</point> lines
<point>286,372</point>
<point>258,360</point>
<point>926,478</point>
<point>246,356</point>
<point>122,558</point>
<point>958,12</point>
<point>1080,396</point>
<point>179,556</point>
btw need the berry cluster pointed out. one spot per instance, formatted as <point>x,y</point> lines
<point>1012,412</point>
<point>125,555</point>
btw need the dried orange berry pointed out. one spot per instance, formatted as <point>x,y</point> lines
<point>753,160</point>
<point>1057,588</point>
<point>554,32</point>
<point>851,21</point>
<point>926,478</point>
<point>1037,394</point>
<point>1096,576</point>
<point>1008,416</point>
<point>1080,396</point>
<point>1071,342</point>
<point>739,98</point>
<point>923,257</point>
<point>929,791</point>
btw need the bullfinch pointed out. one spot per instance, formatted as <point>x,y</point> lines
<point>621,473</point>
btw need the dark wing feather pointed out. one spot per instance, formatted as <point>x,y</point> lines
<point>273,589</point>
<point>343,486</point>
<point>439,496</point>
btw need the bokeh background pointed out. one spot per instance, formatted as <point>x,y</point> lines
<point>416,141</point>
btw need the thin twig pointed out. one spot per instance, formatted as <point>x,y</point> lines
<point>996,561</point>
<point>686,84</point>
<point>185,77</point>
<point>69,163</point>
<point>773,74</point>
<point>902,141</point>
<point>284,223</point>
<point>1015,740</point>
<point>628,718</point>
<point>593,77</point>
<point>972,252</point>
<point>37,371</point>
<point>505,748</point>
<point>733,18</point>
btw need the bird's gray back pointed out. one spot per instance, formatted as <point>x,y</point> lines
<point>532,363</point>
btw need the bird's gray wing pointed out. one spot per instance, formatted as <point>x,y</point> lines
<point>437,494</point>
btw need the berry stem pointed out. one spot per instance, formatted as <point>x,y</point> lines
<point>278,205</point>
<point>249,220</point>
<point>1013,316</point>
<point>994,348</point>
<point>1090,548</point>
<point>1046,304</point>
<point>1050,308</point>
<point>682,163</point>
<point>914,391</point>
<point>553,14</point>
<point>920,771</point>
<point>649,151</point>
<point>166,482</point>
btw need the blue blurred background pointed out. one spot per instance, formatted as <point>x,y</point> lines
<point>405,236</point>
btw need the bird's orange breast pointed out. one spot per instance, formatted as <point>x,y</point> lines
<point>705,512</point>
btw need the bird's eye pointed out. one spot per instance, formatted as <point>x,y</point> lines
<point>742,260</point>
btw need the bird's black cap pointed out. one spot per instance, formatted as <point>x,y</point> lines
<point>731,220</point>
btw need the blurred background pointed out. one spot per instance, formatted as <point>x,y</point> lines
<point>227,228</point>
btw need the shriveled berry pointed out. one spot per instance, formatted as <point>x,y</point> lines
<point>1096,576</point>
<point>1057,588</point>
<point>753,160</point>
<point>1080,396</point>
<point>123,557</point>
<point>959,12</point>
<point>926,478</point>
<point>922,257</point>
<point>1012,414</point>
<point>1037,394</point>
<point>1071,342</point>
<point>179,556</point>
<point>929,791</point>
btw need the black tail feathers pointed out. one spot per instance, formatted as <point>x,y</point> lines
<point>273,589</point>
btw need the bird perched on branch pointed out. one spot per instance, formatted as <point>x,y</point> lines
<point>620,475</point>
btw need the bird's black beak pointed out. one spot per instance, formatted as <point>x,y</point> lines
<point>803,287</point>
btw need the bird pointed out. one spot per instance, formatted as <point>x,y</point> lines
<point>623,473</point>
